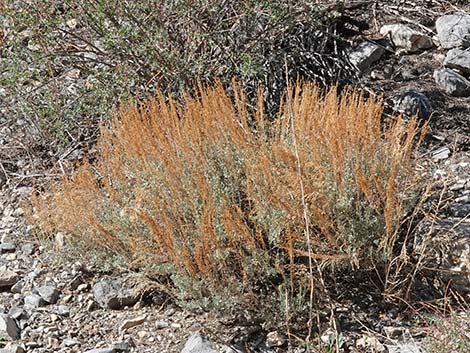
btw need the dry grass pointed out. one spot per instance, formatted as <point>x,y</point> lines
<point>447,326</point>
<point>211,189</point>
<point>449,335</point>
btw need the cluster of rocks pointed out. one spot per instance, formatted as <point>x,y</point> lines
<point>446,237</point>
<point>48,307</point>
<point>450,234</point>
<point>400,39</point>
<point>454,35</point>
<point>66,312</point>
<point>397,38</point>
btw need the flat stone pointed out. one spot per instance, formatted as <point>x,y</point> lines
<point>393,331</point>
<point>49,293</point>
<point>8,278</point>
<point>132,323</point>
<point>8,327</point>
<point>441,153</point>
<point>460,210</point>
<point>453,30</point>
<point>122,347</point>
<point>18,212</point>
<point>28,248</point>
<point>406,38</point>
<point>161,324</point>
<point>12,348</point>
<point>452,82</point>
<point>458,59</point>
<point>197,343</point>
<point>405,348</point>
<point>17,313</point>
<point>7,247</point>
<point>34,301</point>
<point>17,287</point>
<point>365,54</point>
<point>111,293</point>
<point>102,350</point>
<point>63,310</point>
<point>70,342</point>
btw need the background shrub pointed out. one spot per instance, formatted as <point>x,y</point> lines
<point>65,64</point>
<point>227,201</point>
<point>448,333</point>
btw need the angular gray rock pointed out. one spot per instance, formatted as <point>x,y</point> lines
<point>28,248</point>
<point>70,342</point>
<point>412,102</point>
<point>161,324</point>
<point>17,287</point>
<point>12,348</point>
<point>393,331</point>
<point>34,301</point>
<point>458,59</point>
<point>365,54</point>
<point>453,30</point>
<point>406,38</point>
<point>112,294</point>
<point>123,346</point>
<point>63,310</point>
<point>8,327</point>
<point>17,313</point>
<point>459,209</point>
<point>7,278</point>
<point>457,261</point>
<point>132,322</point>
<point>405,348</point>
<point>49,293</point>
<point>7,247</point>
<point>452,82</point>
<point>102,350</point>
<point>441,153</point>
<point>197,343</point>
<point>3,178</point>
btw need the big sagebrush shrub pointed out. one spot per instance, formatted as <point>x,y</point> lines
<point>212,191</point>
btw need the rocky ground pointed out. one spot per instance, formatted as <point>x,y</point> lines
<point>419,62</point>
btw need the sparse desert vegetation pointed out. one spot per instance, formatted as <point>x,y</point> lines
<point>282,176</point>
